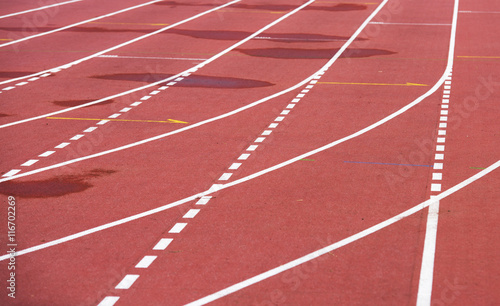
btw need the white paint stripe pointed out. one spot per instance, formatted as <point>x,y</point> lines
<point>136,104</point>
<point>279,119</point>
<point>266,133</point>
<point>203,200</point>
<point>437,176</point>
<point>163,88</point>
<point>439,148</point>
<point>76,137</point>
<point>114,116</point>
<point>109,301</point>
<point>145,98</point>
<point>62,145</point>
<point>102,122</point>
<point>38,9</point>
<point>438,166</point>
<point>177,228</point>
<point>145,262</point>
<point>154,92</point>
<point>8,88</point>
<point>412,24</point>
<point>290,106</point>
<point>260,139</point>
<point>427,268</point>
<point>77,24</point>
<point>225,176</point>
<point>285,112</point>
<point>273,125</point>
<point>191,214</point>
<point>90,129</point>
<point>21,84</point>
<point>124,110</point>
<point>295,100</point>
<point>436,187</point>
<point>11,173</point>
<point>439,156</point>
<point>30,162</point>
<point>234,166</point>
<point>244,156</point>
<point>127,42</point>
<point>443,125</point>
<point>172,83</point>
<point>127,281</point>
<point>154,58</point>
<point>48,153</point>
<point>252,148</point>
<point>45,75</point>
<point>162,244</point>
<point>215,188</point>
<point>33,79</point>
<point>344,242</point>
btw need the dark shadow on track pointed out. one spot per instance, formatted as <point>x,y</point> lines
<point>72,103</point>
<point>284,53</point>
<point>198,81</point>
<point>14,74</point>
<point>55,187</point>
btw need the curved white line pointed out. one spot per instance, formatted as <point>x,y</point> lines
<point>250,177</point>
<point>76,24</point>
<point>38,9</point>
<point>68,65</point>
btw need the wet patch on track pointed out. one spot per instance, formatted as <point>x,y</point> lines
<point>72,103</point>
<point>289,53</point>
<point>197,81</point>
<point>55,187</point>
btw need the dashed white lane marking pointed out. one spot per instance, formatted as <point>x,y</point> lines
<point>225,176</point>
<point>30,162</point>
<point>266,133</point>
<point>136,103</point>
<point>8,88</point>
<point>154,92</point>
<point>127,281</point>
<point>279,119</point>
<point>191,214</point>
<point>234,166</point>
<point>109,301</point>
<point>260,139</point>
<point>146,261</point>
<point>203,200</point>
<point>273,125</point>
<point>252,148</point>
<point>177,228</point>
<point>162,244</point>
<point>145,98</point>
<point>244,156</point>
<point>102,122</point>
<point>11,172</point>
<point>90,129</point>
<point>114,116</point>
<point>76,137</point>
<point>48,153</point>
<point>21,84</point>
<point>38,9</point>
<point>126,109</point>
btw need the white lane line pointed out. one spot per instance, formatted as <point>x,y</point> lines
<point>412,23</point>
<point>439,148</point>
<point>285,112</point>
<point>438,166</point>
<point>11,173</point>
<point>260,173</point>
<point>77,24</point>
<point>191,214</point>
<point>65,66</point>
<point>8,88</point>
<point>266,133</point>
<point>29,163</point>
<point>145,98</point>
<point>244,156</point>
<point>279,119</point>
<point>127,281</point>
<point>145,262</point>
<point>109,301</point>
<point>102,122</point>
<point>48,153</point>
<point>136,103</point>
<point>213,58</point>
<point>177,228</point>
<point>225,176</point>
<point>90,129</point>
<point>273,125</point>
<point>344,242</point>
<point>154,58</point>
<point>290,106</point>
<point>437,176</point>
<point>154,92</point>
<point>126,109</point>
<point>114,116</point>
<point>260,139</point>
<point>21,84</point>
<point>234,166</point>
<point>38,9</point>
<point>162,244</point>
<point>62,145</point>
<point>76,137</point>
<point>427,267</point>
<point>252,148</point>
<point>203,200</point>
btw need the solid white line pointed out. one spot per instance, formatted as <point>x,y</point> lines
<point>11,173</point>
<point>109,301</point>
<point>427,268</point>
<point>250,177</point>
<point>121,45</point>
<point>162,244</point>
<point>127,281</point>
<point>145,262</point>
<point>77,24</point>
<point>344,242</point>
<point>213,58</point>
<point>38,9</point>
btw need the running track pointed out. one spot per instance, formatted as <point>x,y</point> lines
<point>250,152</point>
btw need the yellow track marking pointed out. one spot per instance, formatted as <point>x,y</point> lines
<point>124,120</point>
<point>5,39</point>
<point>476,56</point>
<point>372,84</point>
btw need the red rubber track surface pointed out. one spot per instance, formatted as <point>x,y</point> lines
<point>266,221</point>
